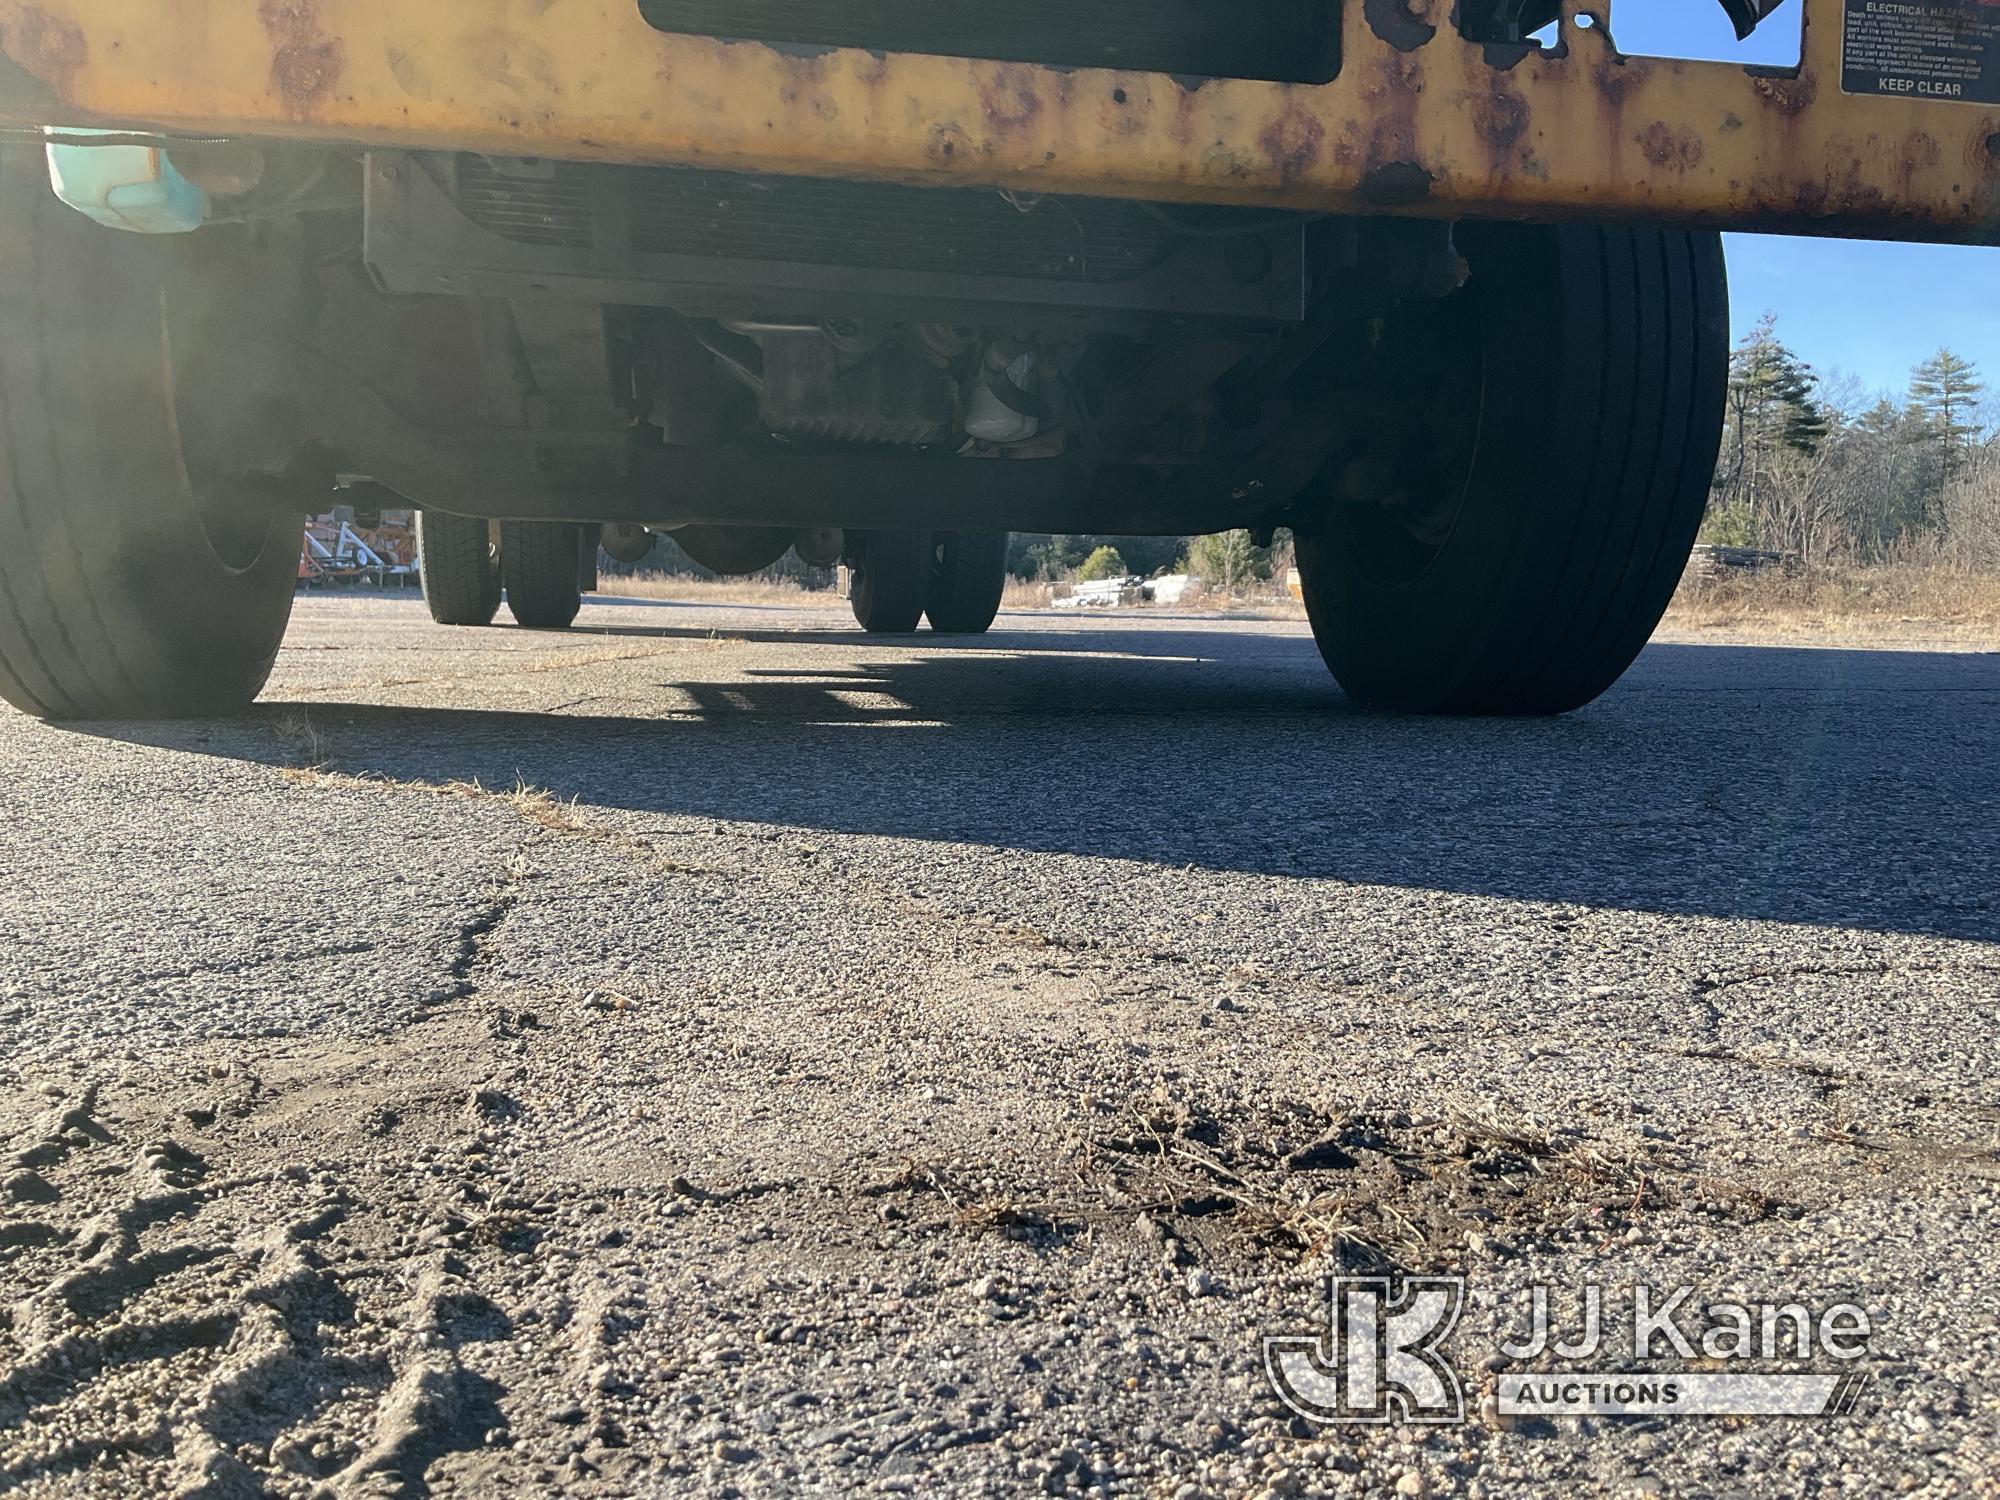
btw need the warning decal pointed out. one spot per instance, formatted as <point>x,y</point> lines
<point>1925,49</point>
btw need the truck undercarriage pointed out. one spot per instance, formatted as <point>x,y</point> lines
<point>885,283</point>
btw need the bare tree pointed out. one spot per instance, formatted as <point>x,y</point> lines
<point>1803,508</point>
<point>1971,508</point>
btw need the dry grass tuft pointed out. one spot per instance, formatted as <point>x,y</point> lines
<point>1265,601</point>
<point>532,804</point>
<point>1892,599</point>
<point>1268,601</point>
<point>542,809</point>
<point>299,735</point>
<point>1022,594</point>
<point>677,586</point>
<point>313,776</point>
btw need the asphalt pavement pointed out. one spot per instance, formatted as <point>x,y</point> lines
<point>712,1051</point>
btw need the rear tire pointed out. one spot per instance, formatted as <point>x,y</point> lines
<point>541,564</point>
<point>891,575</point>
<point>1514,557</point>
<point>461,575</point>
<point>136,580</point>
<point>968,575</point>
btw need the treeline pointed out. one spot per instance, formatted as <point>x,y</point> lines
<point>1819,470</point>
<point>1813,468</point>
<point>1063,555</point>
<point>1230,562</point>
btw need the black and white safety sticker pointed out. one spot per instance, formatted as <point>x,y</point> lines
<point>1923,49</point>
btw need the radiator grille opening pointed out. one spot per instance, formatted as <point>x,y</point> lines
<point>1281,41</point>
<point>545,204</point>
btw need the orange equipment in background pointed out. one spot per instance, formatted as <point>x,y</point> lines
<point>338,550</point>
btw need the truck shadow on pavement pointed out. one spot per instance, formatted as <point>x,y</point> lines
<point>1846,788</point>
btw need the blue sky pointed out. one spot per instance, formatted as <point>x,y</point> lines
<point>1870,310</point>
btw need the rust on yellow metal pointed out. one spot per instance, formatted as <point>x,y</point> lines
<point>1418,120</point>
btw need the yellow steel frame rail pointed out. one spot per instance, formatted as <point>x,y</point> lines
<point>1418,121</point>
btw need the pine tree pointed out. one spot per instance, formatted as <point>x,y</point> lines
<point>1882,421</point>
<point>1772,410</point>
<point>1228,560</point>
<point>1944,389</point>
<point>1771,391</point>
<point>1105,562</point>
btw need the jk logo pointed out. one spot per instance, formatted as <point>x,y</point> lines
<point>1379,1359</point>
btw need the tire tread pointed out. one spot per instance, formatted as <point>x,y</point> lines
<point>540,565</point>
<point>968,576</point>
<point>1593,473</point>
<point>892,576</point>
<point>112,604</point>
<point>455,565</point>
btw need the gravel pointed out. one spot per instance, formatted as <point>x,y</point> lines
<point>714,1053</point>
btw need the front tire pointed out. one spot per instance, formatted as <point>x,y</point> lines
<point>137,580</point>
<point>968,576</point>
<point>1512,546</point>
<point>541,563</point>
<point>891,575</point>
<point>460,573</point>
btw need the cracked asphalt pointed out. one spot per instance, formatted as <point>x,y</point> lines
<point>713,1052</point>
